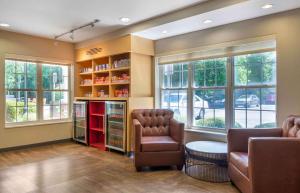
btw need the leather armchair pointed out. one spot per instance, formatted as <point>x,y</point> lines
<point>158,138</point>
<point>266,160</point>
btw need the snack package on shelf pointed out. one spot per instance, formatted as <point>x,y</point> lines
<point>86,82</point>
<point>102,94</point>
<point>88,94</point>
<point>100,67</point>
<point>124,92</point>
<point>121,63</point>
<point>101,80</point>
<point>86,70</point>
<point>123,78</point>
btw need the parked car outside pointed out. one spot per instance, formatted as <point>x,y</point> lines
<point>180,100</point>
<point>247,101</point>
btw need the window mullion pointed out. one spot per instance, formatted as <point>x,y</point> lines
<point>40,97</point>
<point>229,111</point>
<point>190,109</point>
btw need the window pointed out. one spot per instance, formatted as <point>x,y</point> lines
<point>21,91</point>
<point>27,100</point>
<point>222,92</point>
<point>209,85</point>
<point>174,89</point>
<point>255,90</point>
<point>55,91</point>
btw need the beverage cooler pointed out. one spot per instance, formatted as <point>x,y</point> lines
<point>80,120</point>
<point>116,125</point>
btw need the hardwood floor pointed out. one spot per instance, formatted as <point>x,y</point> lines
<point>73,168</point>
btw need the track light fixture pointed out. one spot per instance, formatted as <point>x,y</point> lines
<point>72,31</point>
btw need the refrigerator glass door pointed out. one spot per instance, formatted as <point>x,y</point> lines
<point>80,122</point>
<point>116,125</point>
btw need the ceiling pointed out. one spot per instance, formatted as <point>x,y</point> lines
<point>234,13</point>
<point>47,18</point>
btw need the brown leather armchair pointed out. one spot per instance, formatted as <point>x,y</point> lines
<point>158,138</point>
<point>266,160</point>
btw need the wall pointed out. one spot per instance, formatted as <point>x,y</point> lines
<point>285,26</point>
<point>14,43</point>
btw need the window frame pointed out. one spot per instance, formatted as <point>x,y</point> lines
<point>229,89</point>
<point>39,95</point>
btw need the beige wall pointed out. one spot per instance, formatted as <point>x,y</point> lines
<point>14,43</point>
<point>285,26</point>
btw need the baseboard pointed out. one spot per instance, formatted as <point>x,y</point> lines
<point>35,145</point>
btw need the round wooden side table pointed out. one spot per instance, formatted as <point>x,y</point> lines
<point>207,161</point>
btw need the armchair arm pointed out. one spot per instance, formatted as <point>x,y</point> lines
<point>238,138</point>
<point>274,164</point>
<point>177,130</point>
<point>137,129</point>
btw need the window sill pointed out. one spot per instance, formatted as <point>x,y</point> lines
<point>207,132</point>
<point>33,124</point>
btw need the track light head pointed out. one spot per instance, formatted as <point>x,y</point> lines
<point>72,35</point>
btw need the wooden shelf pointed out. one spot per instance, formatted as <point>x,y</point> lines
<point>86,73</point>
<point>102,84</point>
<point>103,98</point>
<point>119,83</point>
<point>120,69</point>
<point>86,85</point>
<point>101,71</point>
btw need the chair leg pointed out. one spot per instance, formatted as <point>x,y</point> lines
<point>232,183</point>
<point>138,168</point>
<point>179,167</point>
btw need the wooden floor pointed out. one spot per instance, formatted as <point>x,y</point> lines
<point>73,168</point>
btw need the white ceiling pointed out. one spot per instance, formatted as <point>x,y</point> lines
<point>47,18</point>
<point>237,12</point>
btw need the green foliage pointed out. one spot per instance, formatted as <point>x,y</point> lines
<point>15,75</point>
<point>211,72</point>
<point>214,123</point>
<point>12,113</point>
<point>266,125</point>
<point>254,68</point>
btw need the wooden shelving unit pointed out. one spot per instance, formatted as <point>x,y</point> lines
<point>107,78</point>
<point>129,58</point>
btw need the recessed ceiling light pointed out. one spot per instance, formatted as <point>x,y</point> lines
<point>267,6</point>
<point>4,25</point>
<point>125,19</point>
<point>207,21</point>
<point>164,32</point>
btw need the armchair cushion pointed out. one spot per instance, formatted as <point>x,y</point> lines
<point>240,161</point>
<point>159,143</point>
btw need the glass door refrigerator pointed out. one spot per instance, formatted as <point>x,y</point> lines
<point>80,120</point>
<point>116,125</point>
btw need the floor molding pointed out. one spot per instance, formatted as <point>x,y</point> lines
<point>35,145</point>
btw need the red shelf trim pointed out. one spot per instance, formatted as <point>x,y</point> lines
<point>97,129</point>
<point>96,114</point>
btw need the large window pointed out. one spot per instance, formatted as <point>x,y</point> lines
<point>55,91</point>
<point>209,86</point>
<point>255,90</point>
<point>36,91</point>
<point>174,89</point>
<point>21,91</point>
<point>222,92</point>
